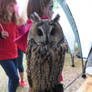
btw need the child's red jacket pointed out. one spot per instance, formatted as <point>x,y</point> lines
<point>8,49</point>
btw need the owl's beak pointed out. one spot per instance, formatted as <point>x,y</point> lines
<point>46,42</point>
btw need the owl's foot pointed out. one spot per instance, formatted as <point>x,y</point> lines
<point>58,88</point>
<point>23,84</point>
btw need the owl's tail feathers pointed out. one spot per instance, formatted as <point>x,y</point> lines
<point>58,88</point>
<point>29,81</point>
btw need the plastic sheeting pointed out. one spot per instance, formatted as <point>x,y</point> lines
<point>69,35</point>
<point>81,10</point>
<point>22,6</point>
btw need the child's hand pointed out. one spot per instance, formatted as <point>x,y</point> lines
<point>4,34</point>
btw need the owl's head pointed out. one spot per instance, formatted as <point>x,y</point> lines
<point>45,31</point>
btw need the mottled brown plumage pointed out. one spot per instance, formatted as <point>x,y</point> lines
<point>45,54</point>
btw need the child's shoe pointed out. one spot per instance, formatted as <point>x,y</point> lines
<point>22,84</point>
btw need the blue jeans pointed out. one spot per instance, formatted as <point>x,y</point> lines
<point>10,68</point>
<point>20,61</point>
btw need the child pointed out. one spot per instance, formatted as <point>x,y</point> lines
<point>8,49</point>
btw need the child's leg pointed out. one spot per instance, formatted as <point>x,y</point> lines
<point>20,67</point>
<point>10,67</point>
<point>20,64</point>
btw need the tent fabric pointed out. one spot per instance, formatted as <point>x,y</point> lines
<point>71,21</point>
<point>81,10</point>
<point>81,14</point>
<point>68,33</point>
<point>22,8</point>
<point>89,71</point>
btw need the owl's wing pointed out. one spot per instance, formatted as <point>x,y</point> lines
<point>59,62</point>
<point>62,49</point>
<point>28,57</point>
<point>28,52</point>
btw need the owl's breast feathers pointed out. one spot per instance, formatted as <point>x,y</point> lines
<point>45,65</point>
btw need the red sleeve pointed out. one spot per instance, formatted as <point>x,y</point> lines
<point>21,40</point>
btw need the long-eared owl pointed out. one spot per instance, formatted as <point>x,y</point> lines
<point>45,54</point>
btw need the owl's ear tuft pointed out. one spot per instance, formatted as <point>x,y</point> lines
<point>35,17</point>
<point>56,18</point>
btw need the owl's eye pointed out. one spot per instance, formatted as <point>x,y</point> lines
<point>52,31</point>
<point>39,32</point>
